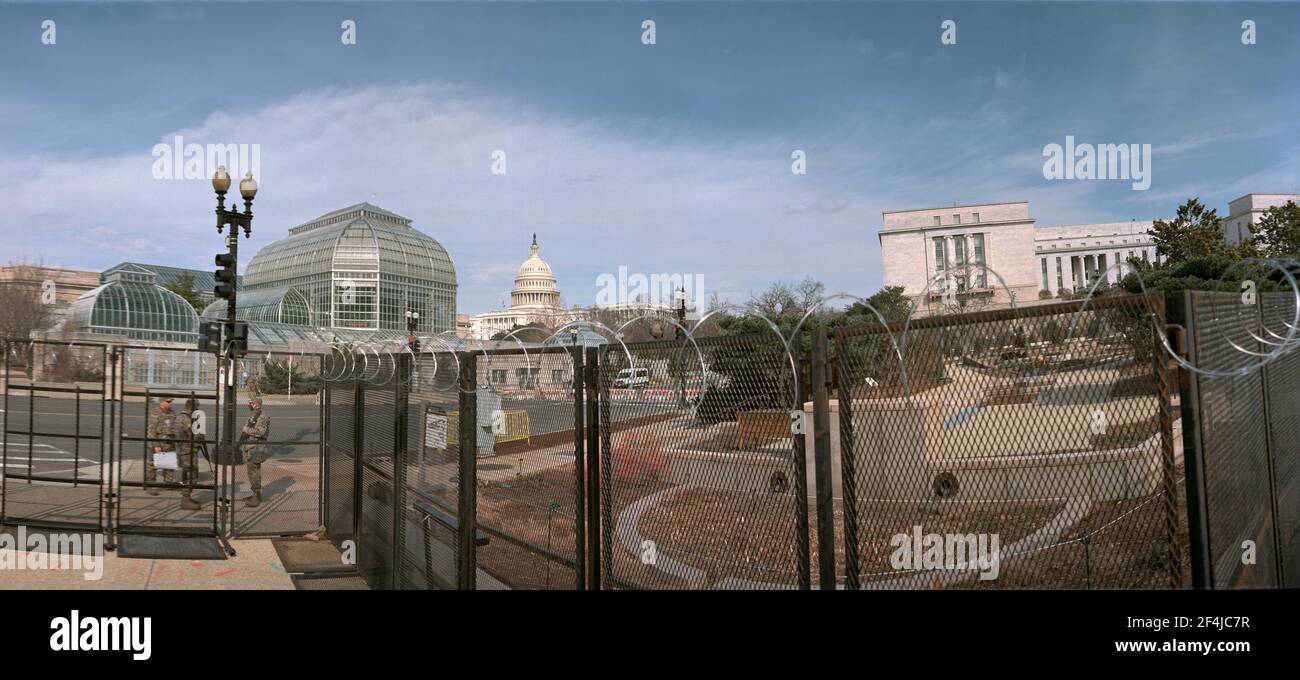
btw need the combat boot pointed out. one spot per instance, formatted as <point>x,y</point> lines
<point>188,503</point>
<point>253,500</point>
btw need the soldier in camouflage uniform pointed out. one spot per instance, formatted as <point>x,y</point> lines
<point>185,439</point>
<point>161,433</point>
<point>254,448</point>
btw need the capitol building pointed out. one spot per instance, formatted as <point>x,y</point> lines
<point>535,298</point>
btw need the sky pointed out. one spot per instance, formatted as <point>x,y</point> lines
<point>674,157</point>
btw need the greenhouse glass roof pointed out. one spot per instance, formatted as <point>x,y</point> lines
<point>135,309</point>
<point>359,238</point>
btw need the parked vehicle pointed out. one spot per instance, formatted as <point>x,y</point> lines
<point>632,378</point>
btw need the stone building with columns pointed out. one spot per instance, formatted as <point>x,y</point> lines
<point>1074,257</point>
<point>972,256</point>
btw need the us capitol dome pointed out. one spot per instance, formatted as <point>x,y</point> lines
<point>534,298</point>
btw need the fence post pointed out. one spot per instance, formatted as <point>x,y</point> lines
<point>358,452</point>
<point>594,472</point>
<point>822,458</point>
<point>467,521</point>
<point>800,445</point>
<point>1160,368</point>
<point>579,470</point>
<point>401,406</point>
<point>1198,527</point>
<point>1270,447</point>
<point>848,472</point>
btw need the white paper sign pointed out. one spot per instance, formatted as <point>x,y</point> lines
<point>165,460</point>
<point>435,431</point>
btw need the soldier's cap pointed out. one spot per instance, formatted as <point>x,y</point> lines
<point>191,404</point>
<point>166,399</point>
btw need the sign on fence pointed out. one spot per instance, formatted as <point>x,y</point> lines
<point>435,427</point>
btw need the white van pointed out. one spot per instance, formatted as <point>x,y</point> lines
<point>633,377</point>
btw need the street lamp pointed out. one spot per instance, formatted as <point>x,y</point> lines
<point>412,324</point>
<point>681,325</point>
<point>236,333</point>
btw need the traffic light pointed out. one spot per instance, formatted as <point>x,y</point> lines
<point>210,337</point>
<point>225,277</point>
<point>237,336</point>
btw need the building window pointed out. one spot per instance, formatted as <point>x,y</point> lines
<point>940,254</point>
<point>959,250</point>
<point>981,277</point>
<point>975,217</point>
<point>956,219</point>
<point>1060,276</point>
<point>936,220</point>
<point>1043,260</point>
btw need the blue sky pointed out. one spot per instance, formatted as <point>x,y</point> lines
<point>666,158</point>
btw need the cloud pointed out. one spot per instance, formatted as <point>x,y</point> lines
<point>599,195</point>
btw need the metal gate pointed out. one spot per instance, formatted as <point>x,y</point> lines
<point>144,499</point>
<point>56,451</point>
<point>76,454</point>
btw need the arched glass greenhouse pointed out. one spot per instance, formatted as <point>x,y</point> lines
<point>277,305</point>
<point>360,268</point>
<point>131,305</point>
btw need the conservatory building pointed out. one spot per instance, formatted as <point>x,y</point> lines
<point>359,268</point>
<point>131,304</point>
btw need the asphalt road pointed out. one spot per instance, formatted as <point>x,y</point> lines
<point>59,452</point>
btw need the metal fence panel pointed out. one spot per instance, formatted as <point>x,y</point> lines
<point>1283,379</point>
<point>698,473</point>
<point>1234,441</point>
<point>1021,448</point>
<point>526,470</point>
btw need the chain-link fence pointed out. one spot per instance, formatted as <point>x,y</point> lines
<point>702,482</point>
<point>1021,448</point>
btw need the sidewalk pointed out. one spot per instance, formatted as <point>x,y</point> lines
<point>255,567</point>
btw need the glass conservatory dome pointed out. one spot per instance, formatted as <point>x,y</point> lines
<point>130,304</point>
<point>361,267</point>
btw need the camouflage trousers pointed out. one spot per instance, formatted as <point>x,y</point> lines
<point>188,472</point>
<point>254,454</point>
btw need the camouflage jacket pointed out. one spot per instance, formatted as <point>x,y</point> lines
<point>162,430</point>
<point>257,426</point>
<point>185,437</point>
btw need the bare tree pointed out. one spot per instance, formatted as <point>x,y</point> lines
<point>782,298</point>
<point>21,308</point>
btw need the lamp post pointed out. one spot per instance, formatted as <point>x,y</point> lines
<point>412,324</point>
<point>235,340</point>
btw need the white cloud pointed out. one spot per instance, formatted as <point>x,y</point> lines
<point>598,195</point>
